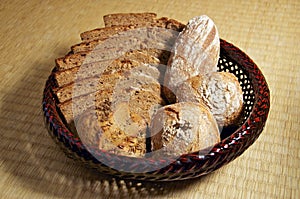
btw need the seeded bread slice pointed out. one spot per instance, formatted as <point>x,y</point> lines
<point>128,19</point>
<point>106,32</point>
<point>65,77</point>
<point>102,33</point>
<point>70,60</point>
<point>86,86</point>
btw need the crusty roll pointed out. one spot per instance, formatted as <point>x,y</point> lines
<point>182,128</point>
<point>196,51</point>
<point>220,91</point>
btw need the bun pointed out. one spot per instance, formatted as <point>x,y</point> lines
<point>220,91</point>
<point>182,128</point>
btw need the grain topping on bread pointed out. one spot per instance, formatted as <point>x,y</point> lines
<point>126,19</point>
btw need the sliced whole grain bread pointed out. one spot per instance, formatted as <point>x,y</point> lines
<point>114,90</point>
<point>153,56</point>
<point>70,60</point>
<point>102,33</point>
<point>82,51</point>
<point>126,19</point>
<point>122,120</point>
<point>86,86</point>
<point>92,80</point>
<point>93,37</point>
<point>121,129</point>
<point>119,121</point>
<point>65,77</point>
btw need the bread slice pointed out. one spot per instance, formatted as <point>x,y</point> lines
<point>126,19</point>
<point>86,86</point>
<point>70,60</point>
<point>65,77</point>
<point>141,20</point>
<point>102,33</point>
<point>104,53</point>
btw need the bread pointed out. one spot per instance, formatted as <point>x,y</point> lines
<point>68,68</point>
<point>111,138</point>
<point>220,91</point>
<point>126,22</point>
<point>70,60</point>
<point>111,87</point>
<point>94,37</point>
<point>82,93</point>
<point>123,114</point>
<point>126,19</point>
<point>103,33</point>
<point>90,76</point>
<point>91,70</point>
<point>65,77</point>
<point>86,86</point>
<point>124,104</point>
<point>141,20</point>
<point>196,51</point>
<point>182,128</point>
<point>110,93</point>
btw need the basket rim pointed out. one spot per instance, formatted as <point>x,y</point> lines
<point>187,163</point>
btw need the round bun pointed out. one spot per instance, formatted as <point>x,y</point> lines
<point>220,91</point>
<point>182,128</point>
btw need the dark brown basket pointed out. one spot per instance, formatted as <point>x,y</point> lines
<point>234,140</point>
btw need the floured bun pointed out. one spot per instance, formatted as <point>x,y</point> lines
<point>220,91</point>
<point>196,51</point>
<point>182,128</point>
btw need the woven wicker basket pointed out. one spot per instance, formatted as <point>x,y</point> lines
<point>234,140</point>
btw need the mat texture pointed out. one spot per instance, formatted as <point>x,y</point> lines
<point>34,33</point>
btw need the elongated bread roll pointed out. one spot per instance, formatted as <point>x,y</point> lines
<point>196,51</point>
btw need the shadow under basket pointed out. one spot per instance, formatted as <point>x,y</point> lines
<point>234,140</point>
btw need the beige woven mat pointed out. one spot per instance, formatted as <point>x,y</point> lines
<point>34,33</point>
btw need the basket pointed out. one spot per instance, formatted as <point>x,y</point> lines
<point>234,141</point>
